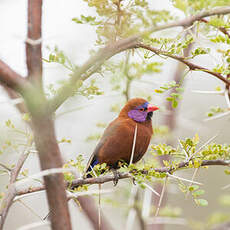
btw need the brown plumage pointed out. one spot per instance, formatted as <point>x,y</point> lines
<point>117,140</point>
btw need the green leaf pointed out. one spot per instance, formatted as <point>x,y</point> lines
<point>169,99</point>
<point>227,171</point>
<point>201,202</point>
<point>198,193</point>
<point>174,103</point>
<point>193,187</point>
<point>180,4</point>
<point>77,20</point>
<point>158,91</point>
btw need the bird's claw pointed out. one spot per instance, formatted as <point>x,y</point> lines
<point>116,177</point>
<point>134,181</point>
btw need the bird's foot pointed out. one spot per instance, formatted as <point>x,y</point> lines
<point>134,181</point>
<point>116,177</point>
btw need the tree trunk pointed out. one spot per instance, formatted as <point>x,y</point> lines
<point>50,157</point>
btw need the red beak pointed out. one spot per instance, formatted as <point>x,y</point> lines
<point>152,108</point>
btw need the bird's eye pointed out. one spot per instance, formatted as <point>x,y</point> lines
<point>142,109</point>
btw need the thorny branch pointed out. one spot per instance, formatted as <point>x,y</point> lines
<point>108,178</point>
<point>186,22</point>
<point>93,64</point>
<point>183,60</point>
<point>222,29</point>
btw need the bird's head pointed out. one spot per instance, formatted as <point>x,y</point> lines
<point>138,109</point>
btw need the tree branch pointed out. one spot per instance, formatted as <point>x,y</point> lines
<point>12,79</point>
<point>90,67</point>
<point>14,95</point>
<point>11,192</point>
<point>94,63</point>
<point>33,42</point>
<point>190,20</point>
<point>183,60</point>
<point>108,178</point>
<point>221,29</point>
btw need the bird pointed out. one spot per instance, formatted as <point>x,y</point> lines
<point>117,140</point>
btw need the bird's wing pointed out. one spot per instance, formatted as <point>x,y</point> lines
<point>111,130</point>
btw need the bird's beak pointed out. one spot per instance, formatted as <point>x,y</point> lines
<point>152,108</point>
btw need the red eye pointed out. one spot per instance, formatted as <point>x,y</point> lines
<point>142,109</point>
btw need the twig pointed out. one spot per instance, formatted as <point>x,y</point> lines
<point>222,29</point>
<point>185,152</point>
<point>161,197</point>
<point>18,166</point>
<point>217,116</point>
<point>202,146</point>
<point>11,192</point>
<point>183,60</point>
<point>193,177</point>
<point>183,179</point>
<point>44,173</point>
<point>208,92</point>
<point>151,189</point>
<point>30,209</point>
<point>5,167</point>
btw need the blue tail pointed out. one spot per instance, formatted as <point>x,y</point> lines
<point>90,167</point>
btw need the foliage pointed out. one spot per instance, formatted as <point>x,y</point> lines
<point>119,19</point>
